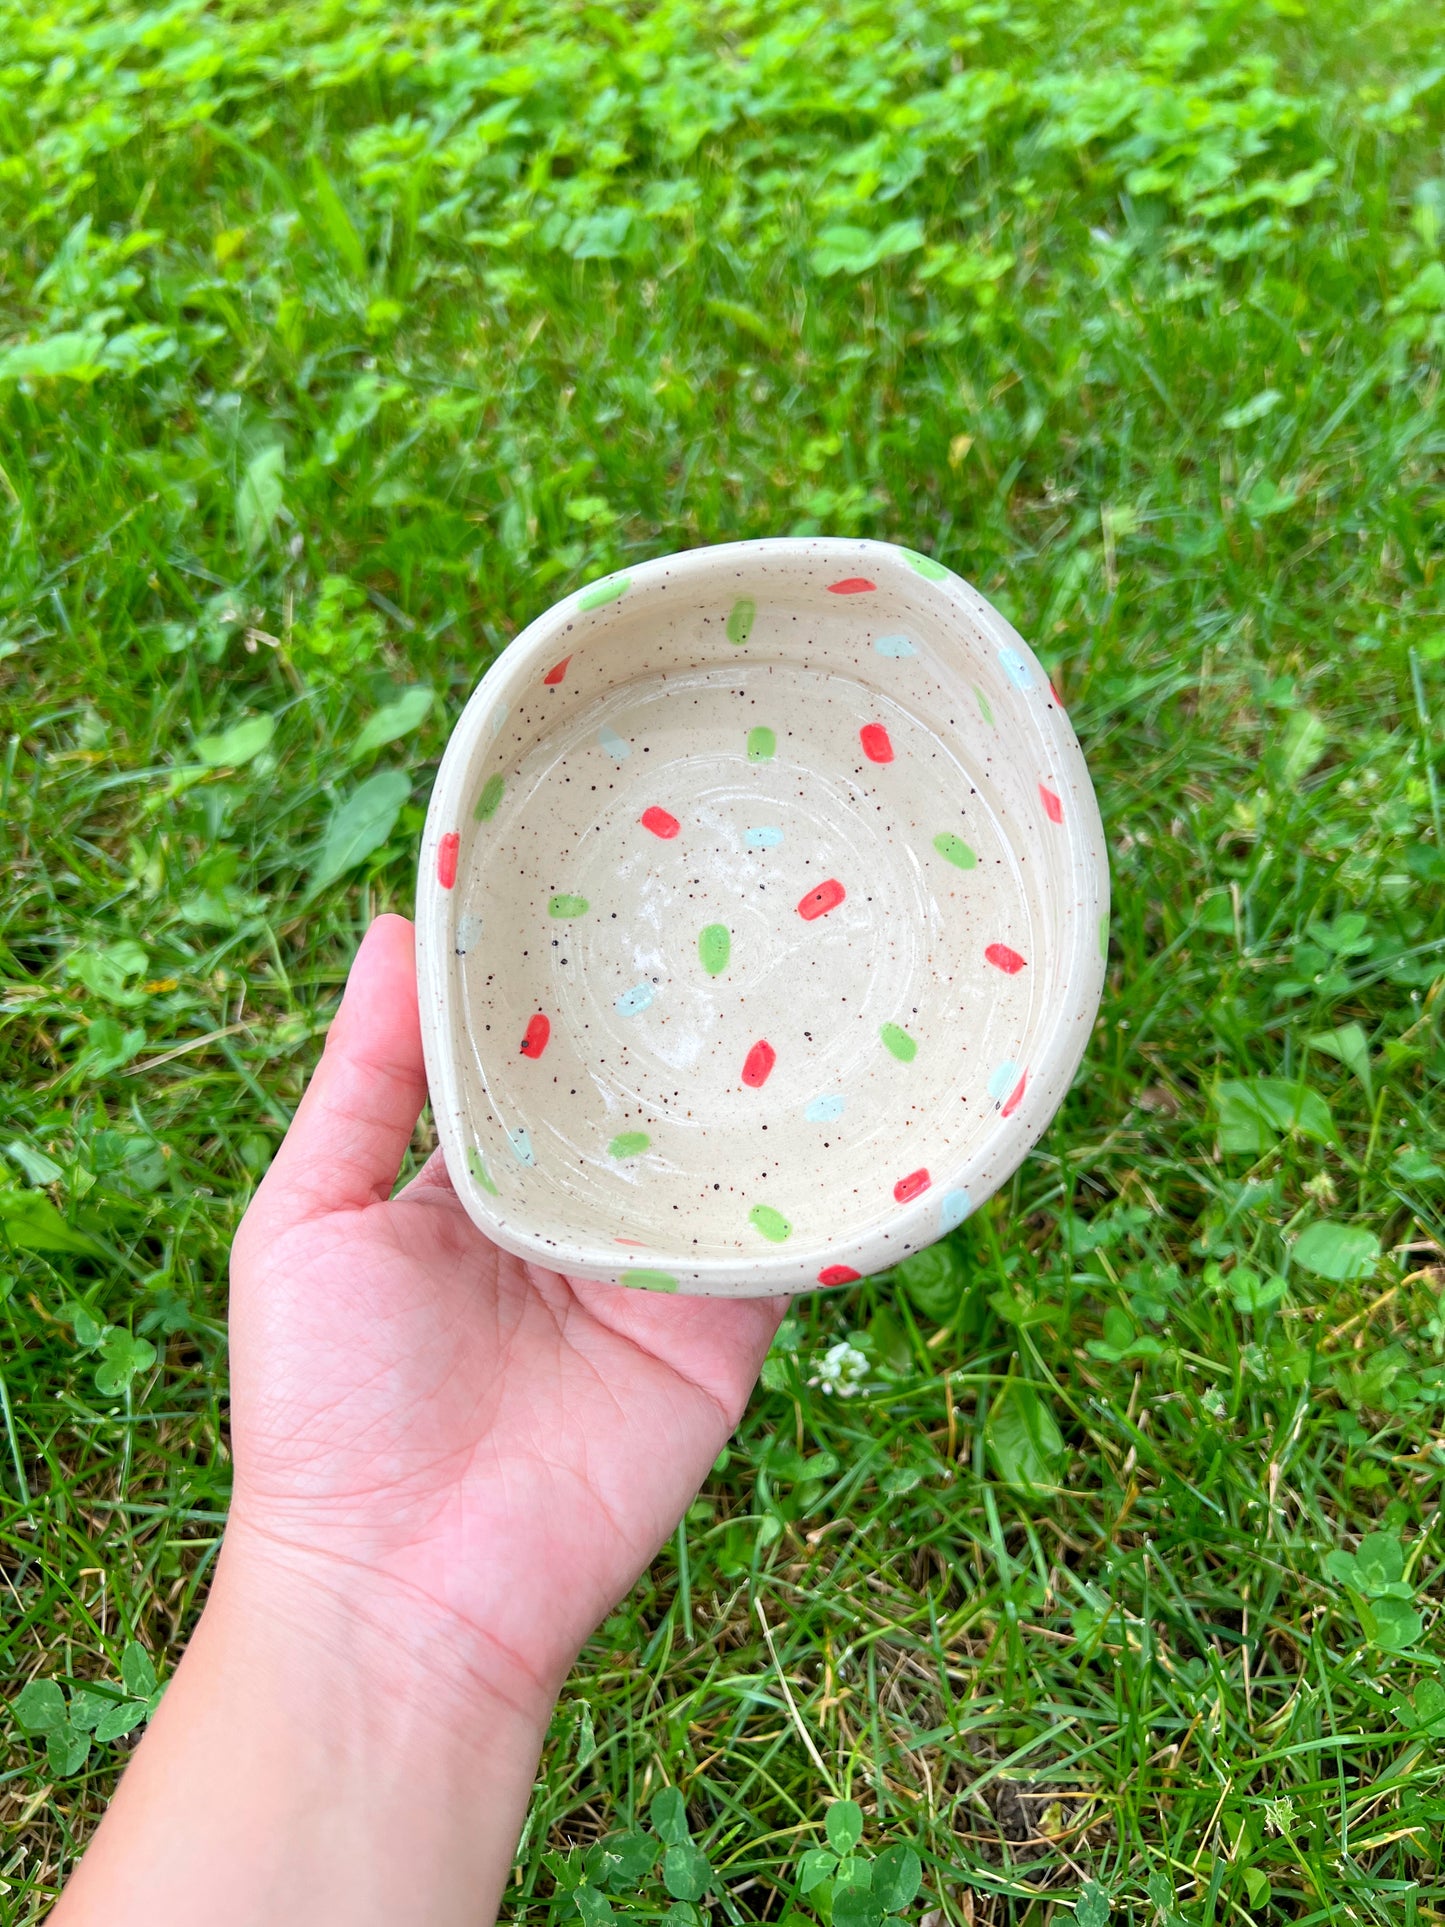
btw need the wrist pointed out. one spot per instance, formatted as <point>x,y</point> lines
<point>307,1763</point>
<point>379,1651</point>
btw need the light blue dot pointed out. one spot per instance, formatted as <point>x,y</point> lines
<point>613,743</point>
<point>763,836</point>
<point>631,1002</point>
<point>1003,1080</point>
<point>469,930</point>
<point>823,1110</point>
<point>521,1146</point>
<point>1018,670</point>
<point>953,1208</point>
<point>896,646</point>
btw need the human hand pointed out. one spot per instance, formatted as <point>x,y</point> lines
<point>480,1454</point>
<point>449,1466</point>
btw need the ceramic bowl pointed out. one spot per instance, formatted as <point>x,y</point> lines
<point>760,920</point>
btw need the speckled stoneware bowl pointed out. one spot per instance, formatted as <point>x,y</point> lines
<point>760,922</point>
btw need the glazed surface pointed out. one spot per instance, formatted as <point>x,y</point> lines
<point>761,934</point>
<point>786,1002</point>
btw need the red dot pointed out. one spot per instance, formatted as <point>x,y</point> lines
<point>1004,959</point>
<point>1054,692</point>
<point>759,1063</point>
<point>1017,1096</point>
<point>851,585</point>
<point>535,1041</point>
<point>659,822</point>
<point>838,1275</point>
<point>1053,808</point>
<point>876,746</point>
<point>555,674</point>
<point>447,850</point>
<point>819,902</point>
<point>911,1186</point>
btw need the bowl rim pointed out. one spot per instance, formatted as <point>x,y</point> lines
<point>1063,1036</point>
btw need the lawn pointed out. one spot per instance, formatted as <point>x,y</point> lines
<point>1091,1561</point>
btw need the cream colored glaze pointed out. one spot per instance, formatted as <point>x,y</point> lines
<point>649,1033</point>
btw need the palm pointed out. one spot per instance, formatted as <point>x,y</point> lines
<point>482,1436</point>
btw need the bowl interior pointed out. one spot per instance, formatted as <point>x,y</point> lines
<point>766,893</point>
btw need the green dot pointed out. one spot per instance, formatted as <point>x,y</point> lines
<point>479,1171</point>
<point>714,947</point>
<point>741,617</point>
<point>925,565</point>
<point>761,744</point>
<point>650,1280</point>
<point>628,1144</point>
<point>773,1225</point>
<point>983,706</point>
<point>955,849</point>
<point>899,1042</point>
<point>490,797</point>
<point>565,906</point>
<point>607,590</point>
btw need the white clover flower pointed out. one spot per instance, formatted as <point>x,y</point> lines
<point>842,1369</point>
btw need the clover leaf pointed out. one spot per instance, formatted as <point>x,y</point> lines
<point>1374,1569</point>
<point>98,1713</point>
<point>816,1866</point>
<point>1391,1624</point>
<point>1425,1713</point>
<point>66,1749</point>
<point>685,1872</point>
<point>1374,1576</point>
<point>843,1823</point>
<point>1121,1341</point>
<point>122,1359</point>
<point>668,1817</point>
<point>40,1708</point>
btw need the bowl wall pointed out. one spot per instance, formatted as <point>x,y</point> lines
<point>760,919</point>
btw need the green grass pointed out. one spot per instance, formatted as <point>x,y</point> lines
<point>339,342</point>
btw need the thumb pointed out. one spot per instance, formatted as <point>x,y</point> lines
<point>351,1129</point>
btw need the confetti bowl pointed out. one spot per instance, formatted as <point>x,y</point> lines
<point>760,919</point>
